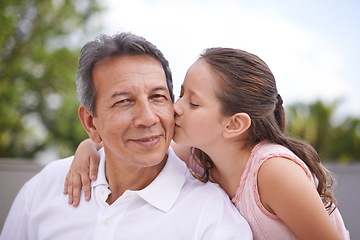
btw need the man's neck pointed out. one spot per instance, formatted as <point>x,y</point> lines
<point>122,178</point>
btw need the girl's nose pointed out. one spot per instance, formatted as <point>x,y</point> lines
<point>178,108</point>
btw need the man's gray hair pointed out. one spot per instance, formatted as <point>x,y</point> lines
<point>104,46</point>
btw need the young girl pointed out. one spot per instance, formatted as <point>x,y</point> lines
<point>231,115</point>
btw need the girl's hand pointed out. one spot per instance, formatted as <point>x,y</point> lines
<point>83,169</point>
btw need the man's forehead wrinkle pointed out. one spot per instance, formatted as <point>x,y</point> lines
<point>161,88</point>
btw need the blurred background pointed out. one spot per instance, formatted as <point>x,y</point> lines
<point>310,46</point>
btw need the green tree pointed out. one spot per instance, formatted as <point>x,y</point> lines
<point>39,46</point>
<point>314,124</point>
<point>345,141</point>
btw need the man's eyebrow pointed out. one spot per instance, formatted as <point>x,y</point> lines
<point>117,94</point>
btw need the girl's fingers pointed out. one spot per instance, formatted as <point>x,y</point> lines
<point>76,189</point>
<point>70,187</point>
<point>66,183</point>
<point>86,186</point>
<point>94,166</point>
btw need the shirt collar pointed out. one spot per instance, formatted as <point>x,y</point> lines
<point>163,191</point>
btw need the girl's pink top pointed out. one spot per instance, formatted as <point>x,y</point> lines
<point>264,224</point>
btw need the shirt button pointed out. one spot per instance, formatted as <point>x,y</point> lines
<point>106,222</point>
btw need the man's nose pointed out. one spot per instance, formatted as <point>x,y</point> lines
<point>145,115</point>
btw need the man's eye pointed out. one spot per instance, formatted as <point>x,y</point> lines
<point>158,96</point>
<point>123,102</point>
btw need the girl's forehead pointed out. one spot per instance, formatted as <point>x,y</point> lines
<point>199,64</point>
<point>200,80</point>
<point>202,73</point>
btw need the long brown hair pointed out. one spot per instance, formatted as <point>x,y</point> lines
<point>248,85</point>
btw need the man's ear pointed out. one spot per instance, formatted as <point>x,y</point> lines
<point>237,124</point>
<point>87,121</point>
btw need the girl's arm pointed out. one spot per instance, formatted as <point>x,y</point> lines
<point>286,191</point>
<point>83,169</point>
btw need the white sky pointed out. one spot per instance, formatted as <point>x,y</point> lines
<point>312,47</point>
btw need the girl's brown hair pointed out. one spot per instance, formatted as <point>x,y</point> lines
<point>249,86</point>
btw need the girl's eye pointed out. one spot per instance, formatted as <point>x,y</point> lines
<point>191,103</point>
<point>194,105</point>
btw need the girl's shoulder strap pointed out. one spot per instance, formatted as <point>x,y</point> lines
<point>266,150</point>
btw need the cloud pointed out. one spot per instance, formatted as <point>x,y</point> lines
<point>307,65</point>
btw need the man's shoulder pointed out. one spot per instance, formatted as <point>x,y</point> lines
<point>202,188</point>
<point>51,173</point>
<point>214,204</point>
<point>58,167</point>
<point>46,184</point>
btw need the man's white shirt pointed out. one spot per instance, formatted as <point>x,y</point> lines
<point>174,206</point>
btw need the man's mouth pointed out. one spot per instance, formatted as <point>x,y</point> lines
<point>147,141</point>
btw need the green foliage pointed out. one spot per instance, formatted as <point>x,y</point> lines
<point>314,124</point>
<point>345,144</point>
<point>38,100</point>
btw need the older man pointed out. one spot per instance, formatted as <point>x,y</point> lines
<point>143,191</point>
